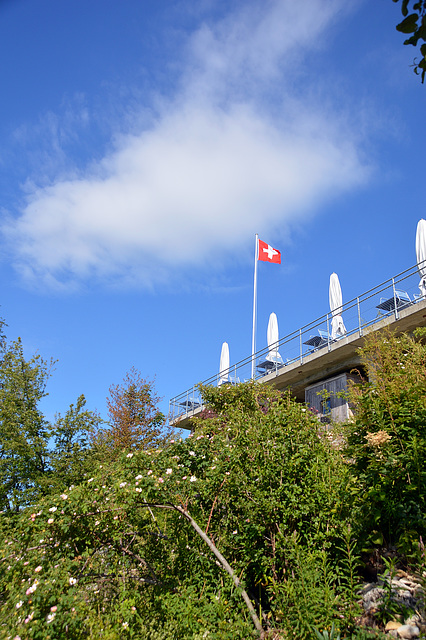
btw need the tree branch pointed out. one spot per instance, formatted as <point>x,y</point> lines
<point>221,559</point>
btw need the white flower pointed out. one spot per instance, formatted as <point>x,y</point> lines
<point>139,477</point>
<point>72,581</point>
<point>138,489</point>
<point>19,604</point>
<point>169,471</point>
<point>38,569</point>
<point>234,532</point>
<point>149,472</point>
<point>50,521</point>
<point>51,617</point>
<point>125,625</point>
<point>52,509</point>
<point>123,484</point>
<point>96,523</point>
<point>192,479</point>
<point>91,480</point>
<point>192,453</point>
<point>129,455</point>
<point>64,496</point>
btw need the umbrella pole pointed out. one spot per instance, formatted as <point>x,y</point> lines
<point>253,338</point>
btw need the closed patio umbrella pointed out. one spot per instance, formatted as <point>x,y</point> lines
<point>421,254</point>
<point>338,329</point>
<point>224,365</point>
<point>272,336</point>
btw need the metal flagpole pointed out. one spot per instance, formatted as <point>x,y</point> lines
<point>253,339</point>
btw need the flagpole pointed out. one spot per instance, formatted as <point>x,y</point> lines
<point>253,339</point>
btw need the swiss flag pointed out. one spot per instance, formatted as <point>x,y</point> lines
<point>268,254</point>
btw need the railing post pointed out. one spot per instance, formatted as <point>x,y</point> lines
<point>395,306</point>
<point>300,341</point>
<point>359,317</point>
<point>328,334</point>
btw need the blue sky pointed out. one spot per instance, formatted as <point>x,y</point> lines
<point>142,146</point>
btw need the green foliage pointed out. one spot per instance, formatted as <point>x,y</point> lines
<point>135,421</point>
<point>23,429</point>
<point>99,553</point>
<point>117,553</point>
<point>36,457</point>
<point>390,608</point>
<point>415,24</point>
<point>327,635</point>
<point>387,439</point>
<point>71,455</point>
<point>139,547</point>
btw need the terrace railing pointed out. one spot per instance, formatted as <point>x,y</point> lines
<point>387,299</point>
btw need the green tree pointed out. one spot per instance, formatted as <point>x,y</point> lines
<point>71,455</point>
<point>24,431</point>
<point>134,417</point>
<point>414,25</point>
<point>37,457</point>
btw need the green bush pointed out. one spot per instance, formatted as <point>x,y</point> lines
<point>117,552</point>
<point>387,439</point>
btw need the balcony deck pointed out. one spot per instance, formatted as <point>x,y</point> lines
<point>312,364</point>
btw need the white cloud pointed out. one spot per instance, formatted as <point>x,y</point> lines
<point>233,153</point>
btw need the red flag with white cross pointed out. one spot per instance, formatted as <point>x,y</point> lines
<point>268,254</point>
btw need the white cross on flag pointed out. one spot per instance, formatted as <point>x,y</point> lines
<point>268,254</point>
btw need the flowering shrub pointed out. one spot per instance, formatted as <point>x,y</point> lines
<point>121,550</point>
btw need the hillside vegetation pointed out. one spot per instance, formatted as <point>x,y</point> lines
<point>255,524</point>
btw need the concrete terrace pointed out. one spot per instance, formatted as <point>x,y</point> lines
<point>395,304</point>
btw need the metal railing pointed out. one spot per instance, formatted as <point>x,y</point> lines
<point>385,300</point>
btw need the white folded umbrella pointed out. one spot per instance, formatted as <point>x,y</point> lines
<point>272,336</point>
<point>421,254</point>
<point>224,365</point>
<point>338,328</point>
